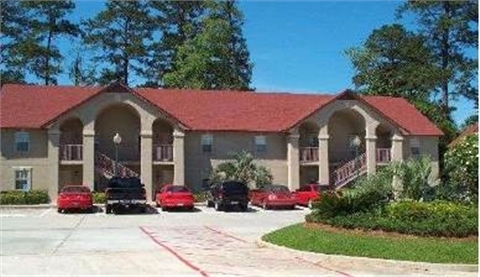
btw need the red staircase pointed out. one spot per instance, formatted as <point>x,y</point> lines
<point>106,166</point>
<point>349,171</point>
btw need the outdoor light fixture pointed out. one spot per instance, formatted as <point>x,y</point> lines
<point>117,139</point>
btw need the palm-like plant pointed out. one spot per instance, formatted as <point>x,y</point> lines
<point>242,168</point>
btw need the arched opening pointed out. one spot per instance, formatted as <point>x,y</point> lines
<point>71,153</point>
<point>308,152</point>
<point>162,153</point>
<point>124,120</point>
<point>343,127</point>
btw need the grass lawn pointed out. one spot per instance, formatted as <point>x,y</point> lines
<point>364,245</point>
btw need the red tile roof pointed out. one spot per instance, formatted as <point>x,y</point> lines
<point>24,106</point>
<point>469,130</point>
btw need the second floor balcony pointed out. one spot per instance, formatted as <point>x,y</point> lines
<point>163,153</point>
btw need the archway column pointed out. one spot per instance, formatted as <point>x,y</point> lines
<point>371,147</point>
<point>53,162</point>
<point>179,157</point>
<point>323,161</point>
<point>146,164</point>
<point>293,161</point>
<point>88,178</point>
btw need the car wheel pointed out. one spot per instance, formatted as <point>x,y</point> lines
<point>108,209</point>
<point>164,208</point>
<point>209,204</point>
<point>157,204</point>
<point>264,205</point>
<point>143,209</point>
<point>244,207</point>
<point>292,207</point>
<point>310,203</point>
<point>59,210</point>
<point>217,206</point>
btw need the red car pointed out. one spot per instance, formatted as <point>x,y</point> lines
<point>171,196</point>
<point>307,194</point>
<point>75,197</point>
<point>273,196</point>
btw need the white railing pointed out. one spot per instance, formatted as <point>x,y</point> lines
<point>163,152</point>
<point>349,171</point>
<point>71,152</point>
<point>383,155</point>
<point>106,166</point>
<point>308,154</point>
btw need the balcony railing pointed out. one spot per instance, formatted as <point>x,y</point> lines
<point>163,152</point>
<point>71,152</point>
<point>308,154</point>
<point>383,155</point>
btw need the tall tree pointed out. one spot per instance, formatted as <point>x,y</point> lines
<point>175,22</point>
<point>394,62</point>
<point>12,28</point>
<point>122,32</point>
<point>450,27</point>
<point>79,74</point>
<point>47,21</point>
<point>217,57</point>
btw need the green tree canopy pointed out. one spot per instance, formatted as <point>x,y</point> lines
<point>122,32</point>
<point>217,57</point>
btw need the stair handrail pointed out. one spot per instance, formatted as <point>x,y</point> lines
<point>350,170</point>
<point>107,164</point>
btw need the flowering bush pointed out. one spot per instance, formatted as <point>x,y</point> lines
<point>461,165</point>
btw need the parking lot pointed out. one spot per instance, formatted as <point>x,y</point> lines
<point>200,243</point>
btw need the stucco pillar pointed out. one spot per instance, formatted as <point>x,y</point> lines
<point>53,163</point>
<point>371,153</point>
<point>396,154</point>
<point>89,158</point>
<point>323,164</point>
<point>179,157</point>
<point>293,161</point>
<point>146,164</point>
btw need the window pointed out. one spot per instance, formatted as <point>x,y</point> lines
<point>261,143</point>
<point>22,141</point>
<point>22,178</point>
<point>415,147</point>
<point>207,141</point>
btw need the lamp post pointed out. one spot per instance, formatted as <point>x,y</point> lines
<point>117,139</point>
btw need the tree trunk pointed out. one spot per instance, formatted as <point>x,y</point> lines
<point>47,57</point>
<point>445,49</point>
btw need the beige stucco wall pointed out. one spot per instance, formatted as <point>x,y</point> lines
<point>429,147</point>
<point>70,175</point>
<point>36,158</point>
<point>199,164</point>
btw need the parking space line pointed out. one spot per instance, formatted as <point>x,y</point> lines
<point>173,252</point>
<point>45,212</point>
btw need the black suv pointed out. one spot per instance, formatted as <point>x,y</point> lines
<point>125,192</point>
<point>228,194</point>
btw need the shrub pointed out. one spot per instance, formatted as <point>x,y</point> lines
<point>437,218</point>
<point>415,174</point>
<point>99,197</point>
<point>15,197</point>
<point>200,196</point>
<point>461,166</point>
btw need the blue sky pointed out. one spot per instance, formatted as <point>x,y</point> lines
<point>299,46</point>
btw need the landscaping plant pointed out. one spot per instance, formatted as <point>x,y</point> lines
<point>15,197</point>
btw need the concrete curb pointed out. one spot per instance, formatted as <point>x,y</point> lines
<point>39,206</point>
<point>375,262</point>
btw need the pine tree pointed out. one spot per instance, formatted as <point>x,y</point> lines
<point>217,57</point>
<point>122,32</point>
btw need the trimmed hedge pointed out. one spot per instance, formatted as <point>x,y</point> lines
<point>437,218</point>
<point>15,197</point>
<point>99,197</point>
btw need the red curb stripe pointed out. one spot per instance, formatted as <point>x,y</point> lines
<point>225,234</point>
<point>173,252</point>
<point>324,267</point>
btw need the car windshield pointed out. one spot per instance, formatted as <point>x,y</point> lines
<point>279,188</point>
<point>77,189</point>
<point>178,189</point>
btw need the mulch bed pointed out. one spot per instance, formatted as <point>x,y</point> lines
<point>378,233</point>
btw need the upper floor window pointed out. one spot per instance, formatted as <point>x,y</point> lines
<point>22,178</point>
<point>22,141</point>
<point>261,143</point>
<point>207,142</point>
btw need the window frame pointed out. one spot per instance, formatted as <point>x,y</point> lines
<point>21,137</point>
<point>206,142</point>
<point>27,178</point>
<point>259,146</point>
<point>415,149</point>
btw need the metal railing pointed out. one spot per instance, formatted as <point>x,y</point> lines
<point>349,171</point>
<point>163,152</point>
<point>308,154</point>
<point>71,152</point>
<point>106,166</point>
